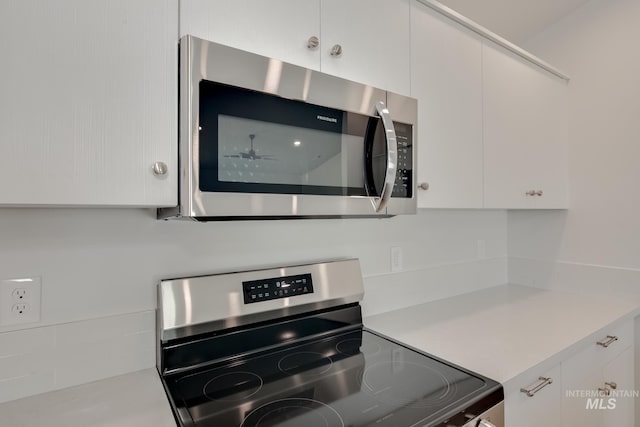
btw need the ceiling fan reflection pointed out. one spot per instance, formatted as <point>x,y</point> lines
<point>251,153</point>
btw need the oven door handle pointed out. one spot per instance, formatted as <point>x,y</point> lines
<point>392,157</point>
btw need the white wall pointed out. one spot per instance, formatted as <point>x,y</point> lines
<point>99,269</point>
<point>595,246</point>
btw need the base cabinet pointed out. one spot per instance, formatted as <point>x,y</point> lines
<point>542,406</point>
<point>594,387</point>
<point>598,381</point>
<point>621,409</point>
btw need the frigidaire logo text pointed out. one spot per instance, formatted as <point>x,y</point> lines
<point>327,119</point>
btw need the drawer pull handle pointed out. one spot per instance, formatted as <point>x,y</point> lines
<point>604,391</point>
<point>532,391</point>
<point>610,339</point>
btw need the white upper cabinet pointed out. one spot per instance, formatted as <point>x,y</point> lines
<point>278,29</point>
<point>362,40</point>
<point>446,78</point>
<point>88,102</point>
<point>525,133</point>
<point>374,38</point>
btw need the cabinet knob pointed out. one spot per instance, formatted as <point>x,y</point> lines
<point>313,42</point>
<point>423,186</point>
<point>160,168</point>
<point>612,385</point>
<point>336,50</point>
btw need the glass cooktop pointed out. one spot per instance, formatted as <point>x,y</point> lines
<point>347,380</point>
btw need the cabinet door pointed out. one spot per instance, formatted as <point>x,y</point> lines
<point>88,102</point>
<point>581,377</point>
<point>446,78</point>
<point>620,371</point>
<point>375,39</point>
<point>525,133</point>
<point>276,28</point>
<point>588,374</point>
<point>543,408</point>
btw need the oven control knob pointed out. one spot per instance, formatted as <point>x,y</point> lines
<point>485,423</point>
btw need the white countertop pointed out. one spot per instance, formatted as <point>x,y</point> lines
<point>132,400</point>
<point>503,331</point>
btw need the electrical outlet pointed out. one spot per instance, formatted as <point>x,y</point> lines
<point>18,310</point>
<point>20,301</point>
<point>20,294</point>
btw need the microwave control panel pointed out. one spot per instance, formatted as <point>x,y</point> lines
<point>403,186</point>
<point>275,288</point>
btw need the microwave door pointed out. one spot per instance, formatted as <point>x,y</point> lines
<point>381,158</point>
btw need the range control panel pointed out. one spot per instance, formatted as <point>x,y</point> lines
<point>275,288</point>
<point>404,184</point>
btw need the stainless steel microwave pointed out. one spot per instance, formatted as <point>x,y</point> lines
<point>263,139</point>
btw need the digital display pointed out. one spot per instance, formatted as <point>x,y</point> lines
<point>276,288</point>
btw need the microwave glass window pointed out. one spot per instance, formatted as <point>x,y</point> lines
<point>259,152</point>
<point>253,142</point>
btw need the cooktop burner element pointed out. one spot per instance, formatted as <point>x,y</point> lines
<point>292,367</point>
<point>232,386</point>
<point>407,384</point>
<point>294,412</point>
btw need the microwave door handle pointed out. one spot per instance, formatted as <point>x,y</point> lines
<point>392,156</point>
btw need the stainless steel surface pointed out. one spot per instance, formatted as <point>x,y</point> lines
<point>493,417</point>
<point>336,50</point>
<point>609,339</point>
<point>160,168</point>
<point>195,305</point>
<point>423,186</point>
<point>313,42</point>
<point>405,110</point>
<point>200,59</point>
<point>478,29</point>
<point>392,156</point>
<point>543,382</point>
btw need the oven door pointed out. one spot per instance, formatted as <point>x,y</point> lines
<point>261,142</point>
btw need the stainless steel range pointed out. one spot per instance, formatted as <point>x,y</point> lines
<point>287,347</point>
